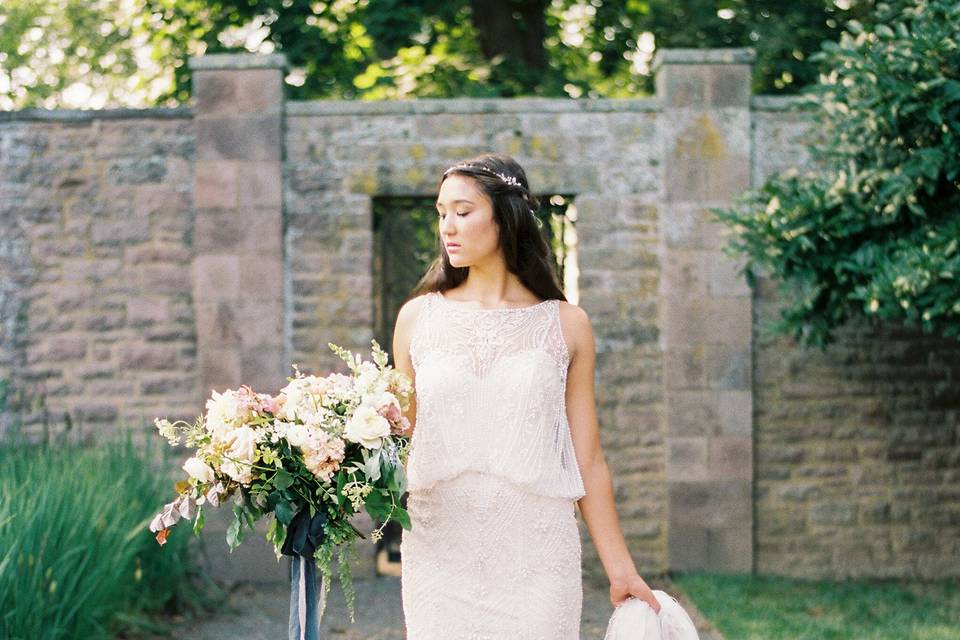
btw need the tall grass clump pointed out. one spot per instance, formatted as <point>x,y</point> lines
<point>76,557</point>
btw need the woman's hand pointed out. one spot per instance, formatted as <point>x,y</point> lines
<point>634,585</point>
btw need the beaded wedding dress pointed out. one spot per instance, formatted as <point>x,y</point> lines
<point>494,551</point>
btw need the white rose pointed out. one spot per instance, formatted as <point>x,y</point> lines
<point>366,427</point>
<point>198,469</point>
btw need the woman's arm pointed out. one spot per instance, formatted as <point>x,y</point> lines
<point>402,331</point>
<point>597,507</point>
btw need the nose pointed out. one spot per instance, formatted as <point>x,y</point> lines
<point>447,225</point>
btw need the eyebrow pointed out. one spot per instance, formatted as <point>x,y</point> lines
<point>437,203</point>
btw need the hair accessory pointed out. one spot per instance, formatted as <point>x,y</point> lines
<point>509,180</point>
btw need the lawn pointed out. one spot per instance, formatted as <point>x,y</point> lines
<point>745,607</point>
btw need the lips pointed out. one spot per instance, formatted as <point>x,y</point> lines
<point>452,246</point>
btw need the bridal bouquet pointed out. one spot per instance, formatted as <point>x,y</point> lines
<point>309,458</point>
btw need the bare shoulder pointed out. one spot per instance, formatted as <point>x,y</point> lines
<point>576,327</point>
<point>407,316</point>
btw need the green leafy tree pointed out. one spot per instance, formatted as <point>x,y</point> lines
<point>872,231</point>
<point>383,49</point>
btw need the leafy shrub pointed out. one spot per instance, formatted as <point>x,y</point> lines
<point>873,232</point>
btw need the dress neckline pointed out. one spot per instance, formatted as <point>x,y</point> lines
<point>456,305</point>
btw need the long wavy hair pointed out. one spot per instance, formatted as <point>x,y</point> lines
<point>525,248</point>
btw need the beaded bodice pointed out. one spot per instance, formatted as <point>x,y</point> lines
<point>490,386</point>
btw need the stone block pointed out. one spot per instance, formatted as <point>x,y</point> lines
<point>727,366</point>
<point>164,278</point>
<point>260,185</point>
<point>218,368</point>
<point>712,503</point>
<point>679,85</point>
<point>215,91</point>
<point>216,278</point>
<point>833,513</point>
<point>260,324</point>
<point>692,413</point>
<point>735,412</point>
<point>169,385</point>
<point>217,185</point>
<point>261,276</point>
<point>157,253</point>
<point>687,547</point>
<point>730,458</point>
<point>725,178</point>
<point>264,368</point>
<point>686,179</point>
<point>730,549</point>
<point>264,232</point>
<point>220,231</point>
<point>730,320</point>
<point>683,276</point>
<point>723,276</point>
<point>684,367</point>
<point>62,348</point>
<point>119,231</point>
<point>146,358</point>
<point>88,413</point>
<point>729,85</point>
<point>218,324</point>
<point>686,459</point>
<point>253,138</point>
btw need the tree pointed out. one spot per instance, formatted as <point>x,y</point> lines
<point>873,231</point>
<point>381,49</point>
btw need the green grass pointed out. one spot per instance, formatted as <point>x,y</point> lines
<point>76,558</point>
<point>751,607</point>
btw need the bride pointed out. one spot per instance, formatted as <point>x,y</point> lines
<point>505,442</point>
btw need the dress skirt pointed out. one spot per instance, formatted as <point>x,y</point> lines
<point>488,560</point>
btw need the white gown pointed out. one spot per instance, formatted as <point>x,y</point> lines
<point>494,552</point>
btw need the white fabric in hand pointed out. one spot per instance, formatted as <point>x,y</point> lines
<point>634,619</point>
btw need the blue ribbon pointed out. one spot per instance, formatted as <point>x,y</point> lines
<point>304,535</point>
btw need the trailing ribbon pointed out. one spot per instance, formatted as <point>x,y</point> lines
<point>304,535</point>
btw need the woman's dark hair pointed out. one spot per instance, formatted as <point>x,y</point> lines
<point>525,249</point>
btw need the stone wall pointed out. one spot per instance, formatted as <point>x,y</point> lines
<point>149,256</point>
<point>858,447</point>
<point>95,257</point>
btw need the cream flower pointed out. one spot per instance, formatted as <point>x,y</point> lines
<point>241,455</point>
<point>224,413</point>
<point>198,469</point>
<point>366,427</point>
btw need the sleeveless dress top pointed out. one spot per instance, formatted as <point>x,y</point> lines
<point>490,389</point>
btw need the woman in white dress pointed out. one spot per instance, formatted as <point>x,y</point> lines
<point>505,436</point>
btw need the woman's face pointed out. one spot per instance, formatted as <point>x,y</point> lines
<point>468,231</point>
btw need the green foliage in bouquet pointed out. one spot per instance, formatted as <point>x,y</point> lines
<point>874,232</point>
<point>333,446</point>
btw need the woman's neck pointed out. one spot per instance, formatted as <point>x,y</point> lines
<point>492,287</point>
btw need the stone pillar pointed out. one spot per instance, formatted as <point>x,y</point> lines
<point>238,265</point>
<point>706,310</point>
<point>238,233</point>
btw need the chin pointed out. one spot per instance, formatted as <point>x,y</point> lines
<point>456,261</point>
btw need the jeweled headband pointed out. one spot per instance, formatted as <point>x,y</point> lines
<point>509,180</point>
